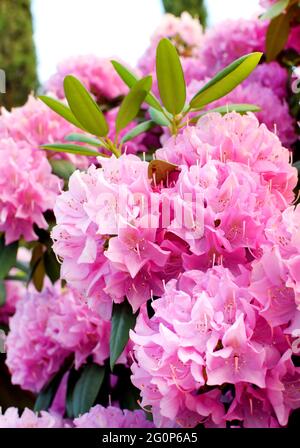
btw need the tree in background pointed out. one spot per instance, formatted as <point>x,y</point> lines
<point>194,7</point>
<point>17,51</point>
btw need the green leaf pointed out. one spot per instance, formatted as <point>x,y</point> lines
<point>158,117</point>
<point>240,108</point>
<point>130,79</point>
<point>132,102</point>
<point>87,388</point>
<point>170,77</point>
<point>123,320</point>
<point>62,168</point>
<point>74,137</point>
<point>226,80</point>
<point>73,377</point>
<point>52,267</point>
<point>61,109</point>
<point>2,293</point>
<point>37,273</point>
<point>277,36</point>
<point>85,109</point>
<point>139,129</point>
<point>275,10</point>
<point>8,255</point>
<point>71,149</point>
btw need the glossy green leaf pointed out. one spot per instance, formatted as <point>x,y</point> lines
<point>277,36</point>
<point>276,9</point>
<point>87,388</point>
<point>74,137</point>
<point>73,377</point>
<point>71,149</point>
<point>37,274</point>
<point>139,129</point>
<point>240,108</point>
<point>226,80</point>
<point>130,79</point>
<point>85,109</point>
<point>132,102</point>
<point>62,168</point>
<point>8,255</point>
<point>52,267</point>
<point>61,109</point>
<point>123,320</point>
<point>158,117</point>
<point>2,293</point>
<point>170,77</point>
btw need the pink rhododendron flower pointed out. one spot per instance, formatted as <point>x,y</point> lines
<point>36,124</point>
<point>97,74</point>
<point>283,387</point>
<point>271,75</point>
<point>112,417</point>
<point>47,328</point>
<point>235,138</point>
<point>29,419</point>
<point>274,111</point>
<point>205,340</point>
<point>230,40</point>
<point>252,408</point>
<point>27,190</point>
<point>111,206</point>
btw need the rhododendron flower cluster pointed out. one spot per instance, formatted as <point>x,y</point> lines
<point>46,329</point>
<point>11,419</point>
<point>27,189</point>
<point>35,124</point>
<point>112,417</point>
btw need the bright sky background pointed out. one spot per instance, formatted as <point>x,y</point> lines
<point>108,27</point>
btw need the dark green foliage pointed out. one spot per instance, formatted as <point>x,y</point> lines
<point>17,52</point>
<point>194,7</point>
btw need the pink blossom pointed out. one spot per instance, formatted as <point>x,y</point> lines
<point>252,408</point>
<point>274,111</point>
<point>27,190</point>
<point>36,124</point>
<point>230,40</point>
<point>173,349</point>
<point>112,417</point>
<point>115,199</point>
<point>236,138</point>
<point>283,387</point>
<point>47,328</point>
<point>29,419</point>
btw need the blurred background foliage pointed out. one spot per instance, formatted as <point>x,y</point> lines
<point>17,51</point>
<point>196,8</point>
